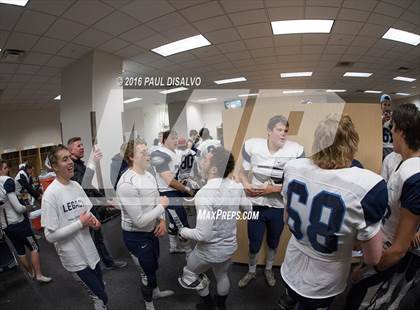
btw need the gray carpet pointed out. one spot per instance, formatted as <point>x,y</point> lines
<point>123,285</point>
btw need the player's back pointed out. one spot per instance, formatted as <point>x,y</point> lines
<point>328,210</point>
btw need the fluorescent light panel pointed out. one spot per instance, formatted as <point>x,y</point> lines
<point>295,74</point>
<point>248,95</point>
<point>132,100</point>
<point>373,91</point>
<point>233,80</point>
<point>357,74</point>
<point>335,90</point>
<point>292,91</point>
<point>58,97</point>
<point>173,90</point>
<point>402,36</point>
<point>15,2</point>
<point>403,78</point>
<point>403,94</point>
<point>207,100</point>
<point>302,26</point>
<point>182,45</point>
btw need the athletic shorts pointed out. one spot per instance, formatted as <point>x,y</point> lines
<point>21,236</point>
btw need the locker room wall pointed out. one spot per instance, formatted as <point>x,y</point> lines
<point>366,118</point>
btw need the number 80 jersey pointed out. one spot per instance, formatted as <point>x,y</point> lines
<point>328,210</point>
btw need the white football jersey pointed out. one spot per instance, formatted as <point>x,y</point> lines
<point>8,213</point>
<point>403,192</point>
<point>186,164</point>
<point>266,167</point>
<point>391,161</point>
<point>387,135</point>
<point>327,211</point>
<point>164,159</point>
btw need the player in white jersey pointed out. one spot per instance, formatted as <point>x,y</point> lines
<point>386,125</point>
<point>17,227</point>
<point>215,236</point>
<point>142,217</point>
<point>66,217</point>
<point>329,205</point>
<point>391,161</point>
<point>165,161</point>
<point>264,159</point>
<point>403,219</point>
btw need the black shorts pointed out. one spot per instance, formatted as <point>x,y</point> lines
<point>21,235</point>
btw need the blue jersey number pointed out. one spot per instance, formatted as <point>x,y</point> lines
<point>321,235</point>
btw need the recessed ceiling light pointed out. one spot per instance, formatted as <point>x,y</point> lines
<point>295,74</point>
<point>15,2</point>
<point>405,79</point>
<point>233,80</point>
<point>292,91</point>
<point>248,95</point>
<point>373,91</point>
<point>207,100</point>
<point>335,90</point>
<point>132,100</point>
<point>182,45</point>
<point>58,97</point>
<point>357,74</point>
<point>402,94</point>
<point>173,90</point>
<point>402,36</point>
<point>302,26</point>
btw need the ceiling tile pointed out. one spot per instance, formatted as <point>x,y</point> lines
<point>51,7</point>
<point>202,11</point>
<point>116,3</point>
<point>214,23</point>
<point>365,5</point>
<point>225,35</point>
<point>411,17</point>
<point>36,58</point>
<point>88,12</point>
<point>363,41</point>
<point>230,47</point>
<point>353,15</point>
<point>373,30</point>
<point>320,12</point>
<point>3,37</point>
<point>388,9</point>
<point>263,52</point>
<point>48,71</point>
<point>113,45</point>
<point>346,27</point>
<point>287,40</point>
<point>116,23</point>
<point>59,62</point>
<point>74,51</point>
<point>312,49</point>
<point>335,49</point>
<point>155,9</point>
<point>181,57</point>
<point>180,4</point>
<point>179,33</point>
<point>288,50</point>
<point>215,59</point>
<point>129,51</point>
<point>64,30</point>
<point>92,38</point>
<point>356,50</point>
<point>249,17</point>
<point>147,58</point>
<point>264,60</point>
<point>8,68</point>
<point>206,51</point>
<point>34,22</point>
<point>340,39</point>
<point>9,15</point>
<point>137,34</point>
<point>254,30</point>
<point>49,46</point>
<point>315,39</point>
<point>153,41</point>
<point>330,3</point>
<point>284,13</point>
<point>380,19</point>
<point>232,5</point>
<point>259,42</point>
<point>21,41</point>
<point>277,3</point>
<point>167,22</point>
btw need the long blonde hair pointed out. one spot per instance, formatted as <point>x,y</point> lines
<point>335,142</point>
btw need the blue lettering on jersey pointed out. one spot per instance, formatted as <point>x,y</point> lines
<point>328,241</point>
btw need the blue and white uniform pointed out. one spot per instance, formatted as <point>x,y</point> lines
<point>327,211</point>
<point>267,168</point>
<point>12,221</point>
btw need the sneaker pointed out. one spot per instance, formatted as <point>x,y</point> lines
<point>43,279</point>
<point>269,277</point>
<point>157,293</point>
<point>246,279</point>
<point>118,264</point>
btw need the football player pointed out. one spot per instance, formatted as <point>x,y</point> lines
<point>165,161</point>
<point>264,160</point>
<point>386,125</point>
<point>329,205</point>
<point>403,217</point>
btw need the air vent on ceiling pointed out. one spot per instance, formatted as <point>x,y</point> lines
<point>12,56</point>
<point>344,64</point>
<point>403,69</point>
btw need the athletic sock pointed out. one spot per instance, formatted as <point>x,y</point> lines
<point>271,254</point>
<point>252,262</point>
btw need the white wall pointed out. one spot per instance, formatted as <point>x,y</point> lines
<point>25,128</point>
<point>212,116</point>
